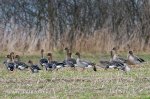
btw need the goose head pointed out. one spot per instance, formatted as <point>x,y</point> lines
<point>114,50</point>
<point>8,56</point>
<point>42,50</point>
<point>30,62</point>
<point>66,49</point>
<point>130,52</point>
<point>17,57</point>
<point>77,54</point>
<point>12,54</point>
<point>49,55</point>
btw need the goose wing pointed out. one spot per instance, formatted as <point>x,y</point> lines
<point>105,63</point>
<point>43,60</point>
<point>10,66</point>
<point>122,59</point>
<point>36,67</point>
<point>86,63</point>
<point>73,60</point>
<point>112,64</point>
<point>139,59</point>
<point>69,62</point>
<point>22,64</point>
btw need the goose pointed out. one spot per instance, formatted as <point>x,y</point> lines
<point>84,64</point>
<point>12,56</point>
<point>133,59</point>
<point>8,63</point>
<point>51,65</point>
<point>33,68</point>
<point>115,56</point>
<point>43,60</point>
<point>20,65</point>
<point>69,61</point>
<point>116,64</point>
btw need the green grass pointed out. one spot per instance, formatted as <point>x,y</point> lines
<point>69,84</point>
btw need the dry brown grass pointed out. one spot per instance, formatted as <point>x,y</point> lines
<point>20,39</point>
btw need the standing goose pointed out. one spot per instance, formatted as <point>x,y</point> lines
<point>12,56</point>
<point>33,68</point>
<point>133,59</point>
<point>50,65</point>
<point>69,61</point>
<point>43,60</point>
<point>20,65</point>
<point>8,63</point>
<point>85,64</point>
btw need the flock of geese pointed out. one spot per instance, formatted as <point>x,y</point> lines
<point>13,62</point>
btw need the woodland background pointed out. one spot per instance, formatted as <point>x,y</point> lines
<point>83,25</point>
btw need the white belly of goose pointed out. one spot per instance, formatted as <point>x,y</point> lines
<point>83,64</point>
<point>21,67</point>
<point>89,66</point>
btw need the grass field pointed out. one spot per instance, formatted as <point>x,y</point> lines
<point>69,84</point>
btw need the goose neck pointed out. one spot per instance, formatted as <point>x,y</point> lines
<point>49,58</point>
<point>42,55</point>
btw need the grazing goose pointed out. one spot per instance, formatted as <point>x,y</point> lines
<point>33,68</point>
<point>8,63</point>
<point>43,60</point>
<point>133,59</point>
<point>85,64</point>
<point>20,65</point>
